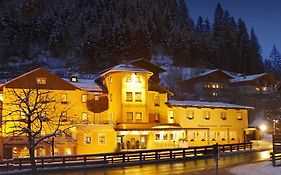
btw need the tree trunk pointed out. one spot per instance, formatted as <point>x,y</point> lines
<point>32,160</point>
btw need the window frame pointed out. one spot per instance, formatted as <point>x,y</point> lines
<point>63,100</point>
<point>84,98</point>
<point>85,114</point>
<point>224,115</point>
<point>132,116</point>
<point>140,114</point>
<point>127,95</point>
<point>103,136</point>
<point>41,80</point>
<point>88,140</point>
<point>207,115</point>
<point>138,99</point>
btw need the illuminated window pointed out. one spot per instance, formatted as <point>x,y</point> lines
<point>165,136</point>
<point>215,94</point>
<point>138,79</point>
<point>171,115</point>
<point>214,86</point>
<point>129,116</point>
<point>157,100</point>
<point>258,89</point>
<point>239,116</point>
<point>102,139</point>
<point>110,79</point>
<point>85,117</point>
<point>217,86</point>
<point>223,115</point>
<point>88,140</point>
<point>74,79</point>
<point>172,137</point>
<point>138,96</point>
<point>1,97</point>
<point>129,78</point>
<point>64,98</point>
<point>207,115</point>
<point>63,116</point>
<point>97,97</point>
<point>190,115</point>
<point>41,80</point>
<point>84,98</point>
<point>157,117</point>
<point>138,116</point>
<point>157,137</point>
<point>129,96</point>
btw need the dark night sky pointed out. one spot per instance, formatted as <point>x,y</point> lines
<point>263,15</point>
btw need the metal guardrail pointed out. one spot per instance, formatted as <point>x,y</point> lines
<point>123,157</point>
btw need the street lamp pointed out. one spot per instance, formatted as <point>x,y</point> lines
<point>263,127</point>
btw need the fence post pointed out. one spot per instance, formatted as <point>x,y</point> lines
<point>195,152</point>
<point>156,155</point>
<point>183,153</point>
<point>123,157</point>
<point>216,156</point>
<point>140,156</point>
<point>171,154</point>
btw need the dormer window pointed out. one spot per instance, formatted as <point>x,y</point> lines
<point>223,115</point>
<point>207,115</point>
<point>41,80</point>
<point>74,79</point>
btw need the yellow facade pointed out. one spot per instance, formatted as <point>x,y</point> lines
<point>137,117</point>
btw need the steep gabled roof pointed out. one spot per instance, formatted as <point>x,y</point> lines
<point>147,65</point>
<point>153,86</point>
<point>207,104</point>
<point>124,68</point>
<point>253,77</point>
<point>28,81</point>
<point>89,85</point>
<point>211,72</point>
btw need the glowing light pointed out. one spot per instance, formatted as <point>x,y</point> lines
<point>68,151</point>
<point>134,77</point>
<point>135,133</point>
<point>124,132</point>
<point>263,127</point>
<point>265,155</point>
<point>15,148</point>
<point>145,133</point>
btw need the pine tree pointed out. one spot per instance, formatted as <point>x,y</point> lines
<point>275,58</point>
<point>255,51</point>
<point>244,60</point>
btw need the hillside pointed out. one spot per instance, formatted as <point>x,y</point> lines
<point>89,36</point>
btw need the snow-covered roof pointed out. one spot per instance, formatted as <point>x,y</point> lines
<point>86,84</point>
<point>246,78</point>
<point>212,71</point>
<point>124,68</point>
<point>207,104</point>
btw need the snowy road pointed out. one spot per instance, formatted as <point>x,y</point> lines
<point>188,167</point>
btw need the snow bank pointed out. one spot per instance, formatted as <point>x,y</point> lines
<point>264,168</point>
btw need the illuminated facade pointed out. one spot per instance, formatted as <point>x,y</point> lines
<point>126,108</point>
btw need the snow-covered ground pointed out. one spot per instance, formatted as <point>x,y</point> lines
<point>263,168</point>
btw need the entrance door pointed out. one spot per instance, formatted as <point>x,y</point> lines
<point>143,141</point>
<point>120,142</point>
